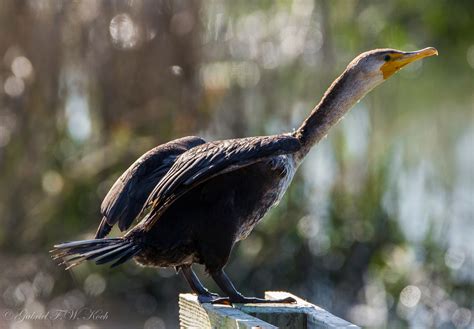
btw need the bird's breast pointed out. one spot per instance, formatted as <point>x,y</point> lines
<point>286,166</point>
<point>269,182</point>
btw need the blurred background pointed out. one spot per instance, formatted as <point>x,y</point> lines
<point>378,225</point>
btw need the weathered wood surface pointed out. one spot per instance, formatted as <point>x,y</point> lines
<point>192,314</point>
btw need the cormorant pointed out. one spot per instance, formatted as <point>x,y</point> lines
<point>197,199</point>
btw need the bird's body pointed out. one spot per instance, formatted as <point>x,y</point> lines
<point>196,199</point>
<point>203,225</point>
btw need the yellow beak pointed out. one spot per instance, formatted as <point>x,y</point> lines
<point>398,61</point>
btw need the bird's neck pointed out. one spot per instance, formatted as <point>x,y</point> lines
<point>344,92</point>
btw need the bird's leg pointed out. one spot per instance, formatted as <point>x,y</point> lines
<point>226,285</point>
<point>204,295</point>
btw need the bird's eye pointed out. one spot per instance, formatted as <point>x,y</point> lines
<point>386,58</point>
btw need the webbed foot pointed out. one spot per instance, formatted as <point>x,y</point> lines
<point>255,300</point>
<point>213,299</point>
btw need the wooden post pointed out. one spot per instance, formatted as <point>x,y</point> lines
<point>192,314</point>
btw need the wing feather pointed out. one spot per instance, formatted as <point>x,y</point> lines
<point>125,200</point>
<point>209,160</point>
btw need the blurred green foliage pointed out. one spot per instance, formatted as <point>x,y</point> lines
<point>377,226</point>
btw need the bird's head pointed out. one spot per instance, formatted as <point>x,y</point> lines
<point>375,66</point>
<point>364,73</point>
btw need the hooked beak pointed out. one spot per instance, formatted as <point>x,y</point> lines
<point>400,60</point>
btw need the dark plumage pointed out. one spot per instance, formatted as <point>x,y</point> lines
<point>196,199</point>
<point>127,196</point>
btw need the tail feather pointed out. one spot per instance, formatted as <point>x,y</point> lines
<point>99,250</point>
<point>126,256</point>
<point>110,255</point>
<point>84,243</point>
<point>81,247</point>
<point>91,254</point>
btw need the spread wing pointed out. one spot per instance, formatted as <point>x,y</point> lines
<point>125,200</point>
<point>209,160</point>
